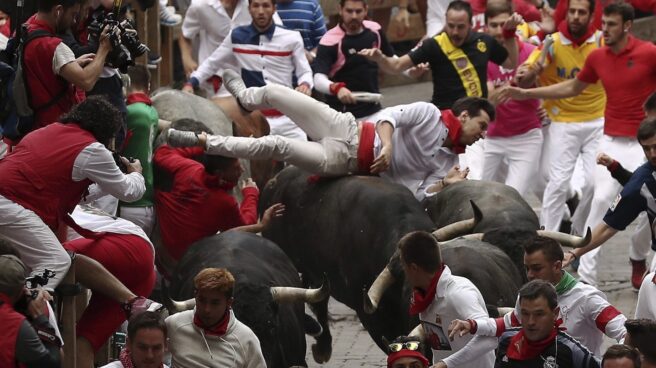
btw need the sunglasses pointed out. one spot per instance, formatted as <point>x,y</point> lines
<point>397,346</point>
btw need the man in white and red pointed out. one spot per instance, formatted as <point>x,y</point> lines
<point>439,298</point>
<point>51,70</point>
<point>49,172</point>
<point>264,53</point>
<point>584,310</point>
<point>626,68</point>
<point>127,253</point>
<point>515,135</point>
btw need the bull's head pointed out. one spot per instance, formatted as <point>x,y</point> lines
<point>279,294</point>
<point>385,279</point>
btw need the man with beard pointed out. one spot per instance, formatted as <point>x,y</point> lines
<point>626,67</point>
<point>458,57</point>
<point>263,53</point>
<point>340,71</point>
<point>540,343</point>
<point>51,69</point>
<point>576,122</point>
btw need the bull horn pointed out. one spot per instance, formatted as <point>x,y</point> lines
<point>504,310</point>
<point>376,291</point>
<point>174,306</point>
<point>477,236</point>
<point>288,294</point>
<point>568,240</point>
<point>456,229</point>
<point>418,332</point>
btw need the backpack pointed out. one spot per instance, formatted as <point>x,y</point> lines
<point>16,114</point>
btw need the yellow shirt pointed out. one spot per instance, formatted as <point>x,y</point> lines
<point>563,62</point>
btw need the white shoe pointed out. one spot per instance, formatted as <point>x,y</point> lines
<point>169,18</point>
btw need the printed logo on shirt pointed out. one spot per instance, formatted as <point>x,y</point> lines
<point>615,202</point>
<point>461,63</point>
<point>549,362</point>
<point>436,336</point>
<point>481,46</point>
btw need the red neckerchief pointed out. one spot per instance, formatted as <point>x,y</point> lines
<point>422,299</point>
<point>455,129</point>
<point>5,29</point>
<point>139,97</point>
<point>562,28</point>
<point>521,348</point>
<point>218,330</point>
<point>125,359</point>
<point>5,299</point>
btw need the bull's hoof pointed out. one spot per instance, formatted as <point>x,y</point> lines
<point>321,355</point>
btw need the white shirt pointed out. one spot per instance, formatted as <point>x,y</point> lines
<point>209,21</point>
<point>646,307</point>
<point>457,298</point>
<point>262,58</point>
<point>96,163</point>
<point>118,364</point>
<point>418,158</point>
<point>586,315</point>
<point>97,221</point>
<point>191,348</point>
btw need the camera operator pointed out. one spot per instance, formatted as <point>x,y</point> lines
<point>32,344</point>
<point>52,70</point>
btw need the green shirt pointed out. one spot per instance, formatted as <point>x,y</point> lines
<point>142,120</point>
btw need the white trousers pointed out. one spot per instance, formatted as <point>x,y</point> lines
<point>335,135</point>
<point>38,246</point>
<point>646,307</point>
<point>568,142</point>
<point>628,152</point>
<point>144,217</point>
<point>522,152</point>
<point>284,126</point>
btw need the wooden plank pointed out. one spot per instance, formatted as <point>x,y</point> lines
<point>154,41</point>
<point>68,316</point>
<point>645,28</point>
<point>166,66</point>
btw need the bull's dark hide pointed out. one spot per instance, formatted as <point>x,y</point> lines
<point>508,221</point>
<point>257,264</point>
<point>347,228</point>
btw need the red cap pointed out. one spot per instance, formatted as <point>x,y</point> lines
<point>405,353</point>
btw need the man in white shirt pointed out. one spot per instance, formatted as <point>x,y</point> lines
<point>439,298</point>
<point>209,22</point>
<point>210,335</point>
<point>584,310</point>
<point>426,140</point>
<point>263,53</point>
<point>146,344</point>
<point>646,307</point>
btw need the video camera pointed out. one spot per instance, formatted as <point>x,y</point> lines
<point>122,166</point>
<point>32,282</point>
<point>126,46</point>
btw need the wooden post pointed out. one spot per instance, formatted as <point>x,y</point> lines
<point>153,37</point>
<point>169,36</point>
<point>68,317</point>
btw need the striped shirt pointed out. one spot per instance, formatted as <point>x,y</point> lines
<point>273,56</point>
<point>304,16</point>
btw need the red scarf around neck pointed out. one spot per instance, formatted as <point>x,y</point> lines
<point>455,129</point>
<point>562,28</point>
<point>219,329</point>
<point>521,348</point>
<point>422,299</point>
<point>126,360</point>
<point>139,97</point>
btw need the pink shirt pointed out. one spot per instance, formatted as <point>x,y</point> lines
<point>513,117</point>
